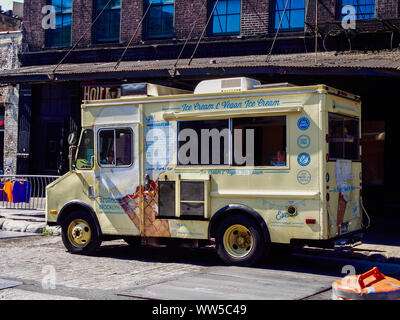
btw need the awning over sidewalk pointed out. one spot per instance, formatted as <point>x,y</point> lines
<point>382,63</point>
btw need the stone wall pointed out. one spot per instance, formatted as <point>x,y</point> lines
<point>8,23</point>
<point>10,43</point>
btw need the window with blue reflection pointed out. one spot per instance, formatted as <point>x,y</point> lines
<point>365,9</point>
<point>61,35</point>
<point>226,17</point>
<point>293,19</point>
<point>107,27</point>
<point>160,19</point>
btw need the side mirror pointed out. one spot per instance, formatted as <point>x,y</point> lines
<point>71,157</point>
<point>73,138</point>
<point>72,141</point>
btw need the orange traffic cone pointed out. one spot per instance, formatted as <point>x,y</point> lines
<point>371,285</point>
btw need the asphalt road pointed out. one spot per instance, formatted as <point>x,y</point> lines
<point>39,268</point>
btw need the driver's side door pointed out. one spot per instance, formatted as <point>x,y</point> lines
<point>117,179</point>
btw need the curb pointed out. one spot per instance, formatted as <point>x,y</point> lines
<point>30,227</point>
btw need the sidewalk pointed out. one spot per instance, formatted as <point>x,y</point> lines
<point>381,242</point>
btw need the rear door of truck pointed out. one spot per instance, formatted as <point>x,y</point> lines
<point>343,178</point>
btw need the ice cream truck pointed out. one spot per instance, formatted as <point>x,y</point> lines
<point>235,164</point>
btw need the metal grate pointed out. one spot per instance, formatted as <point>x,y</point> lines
<point>166,199</point>
<point>231,83</point>
<point>192,199</point>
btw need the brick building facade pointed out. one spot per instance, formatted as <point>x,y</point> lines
<point>257,18</point>
<point>50,101</point>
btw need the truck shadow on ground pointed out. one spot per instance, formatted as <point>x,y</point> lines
<point>381,233</point>
<point>276,259</point>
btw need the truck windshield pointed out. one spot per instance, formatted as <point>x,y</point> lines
<point>344,137</point>
<point>84,158</point>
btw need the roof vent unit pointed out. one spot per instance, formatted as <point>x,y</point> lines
<point>226,85</point>
<point>149,90</point>
<point>275,85</point>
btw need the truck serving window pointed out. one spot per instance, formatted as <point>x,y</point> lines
<point>204,142</point>
<point>344,139</point>
<point>115,147</point>
<point>269,139</point>
<point>212,142</point>
<point>84,158</point>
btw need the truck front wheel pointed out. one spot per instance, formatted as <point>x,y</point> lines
<point>79,233</point>
<point>239,241</point>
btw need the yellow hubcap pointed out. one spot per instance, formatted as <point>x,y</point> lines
<point>79,233</point>
<point>238,241</point>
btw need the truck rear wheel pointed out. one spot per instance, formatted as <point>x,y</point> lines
<point>239,241</point>
<point>79,233</point>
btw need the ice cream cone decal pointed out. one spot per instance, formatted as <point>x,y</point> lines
<point>344,176</point>
<point>152,226</point>
<point>341,210</point>
<point>130,204</point>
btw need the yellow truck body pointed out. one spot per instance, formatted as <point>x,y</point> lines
<point>309,193</point>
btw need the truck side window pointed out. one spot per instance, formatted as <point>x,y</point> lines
<point>115,147</point>
<point>208,141</point>
<point>123,142</point>
<point>269,136</point>
<point>344,142</point>
<point>85,153</point>
<point>212,142</point>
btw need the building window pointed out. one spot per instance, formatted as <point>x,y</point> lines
<point>115,147</point>
<point>226,17</point>
<point>107,27</point>
<point>373,152</point>
<point>160,19</point>
<point>365,9</point>
<point>294,15</point>
<point>61,35</point>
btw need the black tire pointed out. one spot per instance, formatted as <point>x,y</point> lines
<point>244,254</point>
<point>134,242</point>
<point>92,242</point>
